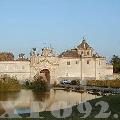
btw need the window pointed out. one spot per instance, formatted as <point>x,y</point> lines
<point>88,62</point>
<point>68,63</point>
<point>88,53</point>
<point>76,62</point>
<point>99,63</point>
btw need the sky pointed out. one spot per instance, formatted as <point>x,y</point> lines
<point>25,24</point>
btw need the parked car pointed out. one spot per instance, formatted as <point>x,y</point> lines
<point>65,82</point>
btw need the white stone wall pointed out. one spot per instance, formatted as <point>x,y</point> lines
<point>72,70</point>
<point>86,68</point>
<point>39,63</point>
<point>83,69</point>
<point>19,69</point>
<point>109,71</point>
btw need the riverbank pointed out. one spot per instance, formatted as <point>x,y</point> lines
<point>100,91</point>
<point>57,94</point>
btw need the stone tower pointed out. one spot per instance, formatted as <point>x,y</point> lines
<point>84,50</point>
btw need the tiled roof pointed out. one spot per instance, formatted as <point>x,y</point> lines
<point>73,53</point>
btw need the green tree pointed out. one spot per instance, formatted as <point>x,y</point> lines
<point>115,61</point>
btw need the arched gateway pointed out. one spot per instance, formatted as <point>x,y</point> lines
<point>45,63</point>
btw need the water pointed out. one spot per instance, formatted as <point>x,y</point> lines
<point>27,101</point>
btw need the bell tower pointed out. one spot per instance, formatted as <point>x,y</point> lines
<point>84,49</point>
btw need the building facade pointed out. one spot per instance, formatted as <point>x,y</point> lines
<point>80,63</point>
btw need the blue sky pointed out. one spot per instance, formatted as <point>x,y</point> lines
<point>25,24</point>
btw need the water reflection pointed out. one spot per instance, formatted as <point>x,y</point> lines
<point>41,96</point>
<point>5,96</point>
<point>27,101</point>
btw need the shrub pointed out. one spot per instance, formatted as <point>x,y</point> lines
<point>75,82</point>
<point>104,83</point>
<point>8,83</point>
<point>39,84</point>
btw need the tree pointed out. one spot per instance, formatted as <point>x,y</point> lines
<point>115,61</point>
<point>6,56</point>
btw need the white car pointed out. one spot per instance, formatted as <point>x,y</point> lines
<point>65,82</point>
